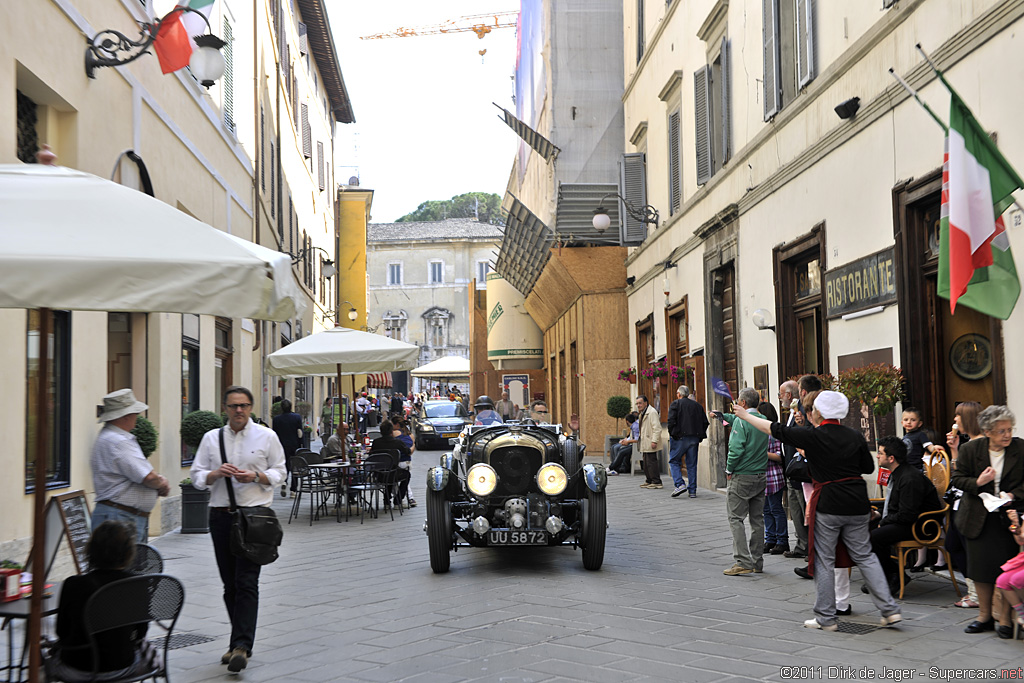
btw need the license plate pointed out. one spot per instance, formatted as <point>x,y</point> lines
<point>508,537</point>
<point>449,435</point>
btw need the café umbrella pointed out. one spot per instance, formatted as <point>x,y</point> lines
<point>447,368</point>
<point>73,241</point>
<point>342,351</point>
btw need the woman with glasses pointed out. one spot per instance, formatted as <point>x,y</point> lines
<point>992,464</point>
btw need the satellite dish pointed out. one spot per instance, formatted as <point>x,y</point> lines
<point>354,181</point>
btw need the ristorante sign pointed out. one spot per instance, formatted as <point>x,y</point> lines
<point>861,284</point>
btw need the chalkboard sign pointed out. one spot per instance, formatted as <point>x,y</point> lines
<point>67,517</point>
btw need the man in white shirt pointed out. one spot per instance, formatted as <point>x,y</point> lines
<point>255,465</point>
<point>125,484</point>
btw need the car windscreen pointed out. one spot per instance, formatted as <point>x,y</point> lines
<point>445,410</point>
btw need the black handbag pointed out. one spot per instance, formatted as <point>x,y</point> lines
<point>797,469</point>
<point>255,530</point>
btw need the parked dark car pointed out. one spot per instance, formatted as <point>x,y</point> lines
<point>438,421</point>
<point>515,484</point>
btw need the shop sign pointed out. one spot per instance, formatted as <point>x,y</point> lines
<point>861,284</point>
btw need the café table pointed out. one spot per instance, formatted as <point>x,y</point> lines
<point>18,610</point>
<point>347,473</point>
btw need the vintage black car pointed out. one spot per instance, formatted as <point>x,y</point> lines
<point>515,484</point>
<point>438,421</point>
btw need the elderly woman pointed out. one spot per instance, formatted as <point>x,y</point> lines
<point>110,551</point>
<point>993,464</point>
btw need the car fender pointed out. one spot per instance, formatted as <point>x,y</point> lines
<point>437,478</point>
<point>595,476</point>
<point>448,461</point>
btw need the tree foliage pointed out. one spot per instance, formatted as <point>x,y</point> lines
<point>146,434</point>
<point>484,206</point>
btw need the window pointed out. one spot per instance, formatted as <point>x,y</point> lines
<point>712,114</point>
<point>436,272</point>
<point>394,273</point>
<point>645,357</point>
<point>801,326</point>
<point>320,165</point>
<point>28,138</point>
<point>58,399</point>
<point>228,83</point>
<point>436,328</point>
<point>189,375</point>
<point>263,159</point>
<point>677,332</point>
<point>639,30</point>
<point>307,135</point>
<point>675,173</point>
<point>482,268</point>
<point>395,325</point>
<point>223,355</point>
<point>788,43</point>
<point>273,174</point>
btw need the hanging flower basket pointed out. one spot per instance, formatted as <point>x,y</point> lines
<point>655,371</point>
<point>628,375</point>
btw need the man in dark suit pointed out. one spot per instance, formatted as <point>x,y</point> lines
<point>288,427</point>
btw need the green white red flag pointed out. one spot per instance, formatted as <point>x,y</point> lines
<point>976,267</point>
<point>174,42</point>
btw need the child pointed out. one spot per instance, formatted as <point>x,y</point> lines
<point>1011,581</point>
<point>914,437</point>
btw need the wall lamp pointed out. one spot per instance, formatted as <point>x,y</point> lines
<point>763,319</point>
<point>352,312</point>
<point>644,214</point>
<point>329,269</point>
<point>847,109</point>
<point>113,48</point>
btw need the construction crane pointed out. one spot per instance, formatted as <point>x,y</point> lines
<point>480,24</point>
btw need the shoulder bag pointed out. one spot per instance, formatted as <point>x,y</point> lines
<point>255,530</point>
<point>797,468</point>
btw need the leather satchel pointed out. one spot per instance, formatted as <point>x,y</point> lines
<point>256,531</point>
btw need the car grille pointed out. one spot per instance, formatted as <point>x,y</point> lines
<point>516,468</point>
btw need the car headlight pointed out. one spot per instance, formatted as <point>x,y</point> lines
<point>482,479</point>
<point>552,479</point>
<point>424,427</point>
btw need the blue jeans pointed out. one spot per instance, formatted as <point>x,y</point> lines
<point>776,528</point>
<point>678,448</point>
<point>102,513</point>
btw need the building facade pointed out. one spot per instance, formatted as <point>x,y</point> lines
<point>212,153</point>
<point>419,276</point>
<point>799,187</point>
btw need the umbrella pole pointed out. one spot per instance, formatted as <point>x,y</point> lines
<point>354,400</point>
<point>35,621</point>
<point>341,416</point>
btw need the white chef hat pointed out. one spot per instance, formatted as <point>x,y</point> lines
<point>832,405</point>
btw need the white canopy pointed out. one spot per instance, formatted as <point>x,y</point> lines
<point>342,351</point>
<point>72,240</point>
<point>449,367</point>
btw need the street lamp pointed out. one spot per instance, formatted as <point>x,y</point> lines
<point>113,48</point>
<point>644,214</point>
<point>352,312</point>
<point>327,266</point>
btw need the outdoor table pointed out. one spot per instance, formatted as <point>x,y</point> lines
<point>348,472</point>
<point>19,609</point>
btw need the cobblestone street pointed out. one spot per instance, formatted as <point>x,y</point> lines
<point>358,602</point>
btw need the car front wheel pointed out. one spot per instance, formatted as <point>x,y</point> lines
<point>594,526</point>
<point>439,531</point>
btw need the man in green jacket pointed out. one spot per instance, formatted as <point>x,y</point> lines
<point>745,469</point>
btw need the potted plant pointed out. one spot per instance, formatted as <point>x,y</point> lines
<point>194,508</point>
<point>193,426</point>
<point>878,385</point>
<point>681,374</point>
<point>307,433</point>
<point>146,434</point>
<point>628,375</point>
<point>656,371</point>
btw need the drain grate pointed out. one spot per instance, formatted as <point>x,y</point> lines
<point>180,640</point>
<point>855,628</point>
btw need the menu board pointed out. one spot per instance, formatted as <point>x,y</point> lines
<point>67,517</point>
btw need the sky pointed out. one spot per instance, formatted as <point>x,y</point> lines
<point>426,128</point>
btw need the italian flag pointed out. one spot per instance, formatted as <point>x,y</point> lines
<point>976,267</point>
<point>174,42</point>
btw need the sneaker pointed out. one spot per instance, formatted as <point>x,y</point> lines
<point>412,502</point>
<point>693,495</point>
<point>780,550</point>
<point>737,570</point>
<point>655,486</point>
<point>844,612</point>
<point>813,623</point>
<point>794,553</point>
<point>679,490</point>
<point>239,660</point>
<point>612,473</point>
<point>892,619</point>
<point>646,486</point>
<point>284,494</point>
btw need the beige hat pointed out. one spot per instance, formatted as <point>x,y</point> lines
<point>832,405</point>
<point>120,403</point>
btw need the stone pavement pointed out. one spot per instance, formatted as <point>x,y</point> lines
<point>358,602</point>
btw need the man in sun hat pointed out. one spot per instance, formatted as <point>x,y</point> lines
<point>126,485</point>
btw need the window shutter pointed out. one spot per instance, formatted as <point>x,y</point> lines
<point>295,105</point>
<point>702,121</point>
<point>263,148</point>
<point>286,65</point>
<point>291,225</point>
<point>633,181</point>
<point>804,41</point>
<point>273,173</point>
<point>675,177</point>
<point>307,137</point>
<point>639,30</point>
<point>770,35</point>
<point>320,164</point>
<point>229,78</point>
<point>303,46</point>
<point>726,119</point>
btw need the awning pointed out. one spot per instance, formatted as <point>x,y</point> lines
<point>525,249</point>
<point>541,144</point>
<point>379,380</point>
<point>574,217</point>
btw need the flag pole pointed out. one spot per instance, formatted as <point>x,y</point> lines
<point>913,93</point>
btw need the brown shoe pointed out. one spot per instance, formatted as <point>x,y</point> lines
<point>238,660</point>
<point>655,486</point>
<point>226,657</point>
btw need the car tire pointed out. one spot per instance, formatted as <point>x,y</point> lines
<point>439,531</point>
<point>593,527</point>
<point>572,462</point>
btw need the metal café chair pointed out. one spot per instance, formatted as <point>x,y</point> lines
<point>147,560</point>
